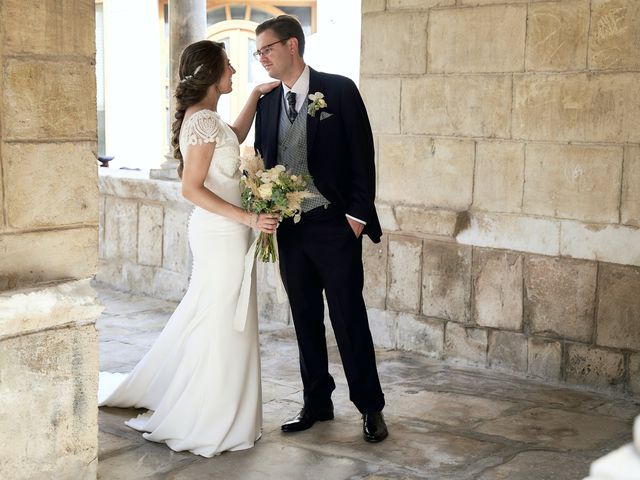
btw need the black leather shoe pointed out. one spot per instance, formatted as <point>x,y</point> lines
<point>374,429</point>
<point>307,417</point>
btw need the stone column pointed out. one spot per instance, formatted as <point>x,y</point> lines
<point>49,241</point>
<point>187,24</point>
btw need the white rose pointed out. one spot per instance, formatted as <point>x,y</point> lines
<point>266,190</point>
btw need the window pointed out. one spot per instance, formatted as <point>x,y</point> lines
<point>301,13</point>
<point>234,23</point>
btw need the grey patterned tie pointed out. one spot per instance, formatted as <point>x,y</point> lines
<point>291,102</point>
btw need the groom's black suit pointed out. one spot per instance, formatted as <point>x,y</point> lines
<point>321,252</point>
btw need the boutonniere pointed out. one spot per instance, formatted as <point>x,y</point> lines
<point>317,102</point>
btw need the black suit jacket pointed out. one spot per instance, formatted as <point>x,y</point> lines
<point>340,152</point>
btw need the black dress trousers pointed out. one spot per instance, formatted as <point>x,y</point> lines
<point>321,252</point>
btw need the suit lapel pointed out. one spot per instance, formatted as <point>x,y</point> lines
<point>312,122</point>
<point>273,114</point>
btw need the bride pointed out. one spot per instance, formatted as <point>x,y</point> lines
<point>201,379</point>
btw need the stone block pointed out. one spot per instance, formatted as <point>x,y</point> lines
<point>382,98</point>
<point>426,171</point>
<point>446,281</point>
<point>175,246</point>
<point>387,217</point>
<point>512,232</point>
<point>46,256</point>
<point>419,334</point>
<point>50,27</point>
<point>476,3</point>
<point>374,259</point>
<point>615,34</point>
<point>394,43</point>
<point>383,325</point>
<point>34,175</point>
<point>550,426</point>
<point>607,243</point>
<point>499,176</point>
<point>594,366</point>
<point>418,4</point>
<point>507,351</point>
<point>618,320</point>
<point>498,289</point>
<point>634,373</point>
<point>3,225</point>
<point>560,297</point>
<point>41,99</point>
<point>427,221</point>
<point>405,262</point>
<point>468,345</point>
<point>34,309</point>
<point>101,216</point>
<point>54,374</point>
<point>157,191</point>
<point>466,40</point>
<point>150,235</point>
<point>368,6</point>
<point>121,229</point>
<point>141,279</point>
<point>630,207</point>
<point>536,464</point>
<point>544,359</point>
<point>577,107</point>
<point>571,181</point>
<point>557,35</point>
<point>472,106</point>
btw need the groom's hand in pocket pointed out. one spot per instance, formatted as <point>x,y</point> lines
<point>357,227</point>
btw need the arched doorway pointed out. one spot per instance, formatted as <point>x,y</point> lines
<point>239,39</point>
<point>234,24</point>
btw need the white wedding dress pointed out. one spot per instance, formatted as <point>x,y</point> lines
<point>201,379</point>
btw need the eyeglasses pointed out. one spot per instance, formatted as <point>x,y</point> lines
<point>266,50</point>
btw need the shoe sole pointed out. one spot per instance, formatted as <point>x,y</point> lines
<point>375,440</point>
<point>325,418</point>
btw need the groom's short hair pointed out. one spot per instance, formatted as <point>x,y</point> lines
<point>285,27</point>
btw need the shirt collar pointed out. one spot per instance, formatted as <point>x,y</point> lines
<point>301,87</point>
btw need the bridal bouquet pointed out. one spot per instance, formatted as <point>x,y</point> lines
<point>273,191</point>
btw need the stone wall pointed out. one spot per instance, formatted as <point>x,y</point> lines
<point>143,236</point>
<point>144,247</point>
<point>48,238</point>
<point>508,154</point>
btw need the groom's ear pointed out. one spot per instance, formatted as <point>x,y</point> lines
<point>293,46</point>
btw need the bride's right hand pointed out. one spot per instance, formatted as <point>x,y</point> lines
<point>264,222</point>
<point>265,88</point>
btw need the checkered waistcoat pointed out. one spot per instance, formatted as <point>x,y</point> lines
<point>292,153</point>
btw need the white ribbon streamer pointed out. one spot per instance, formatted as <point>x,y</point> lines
<point>242,308</point>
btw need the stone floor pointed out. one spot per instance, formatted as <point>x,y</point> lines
<point>446,422</point>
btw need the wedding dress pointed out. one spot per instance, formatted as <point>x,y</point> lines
<point>201,379</point>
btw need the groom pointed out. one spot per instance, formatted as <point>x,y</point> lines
<point>329,138</point>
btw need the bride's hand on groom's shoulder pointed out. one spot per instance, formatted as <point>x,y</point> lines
<point>265,88</point>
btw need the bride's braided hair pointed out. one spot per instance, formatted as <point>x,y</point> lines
<point>201,65</point>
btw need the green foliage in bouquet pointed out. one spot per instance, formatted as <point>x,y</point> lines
<point>274,191</point>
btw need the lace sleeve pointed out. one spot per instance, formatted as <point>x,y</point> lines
<point>202,128</point>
